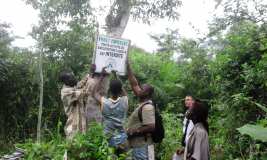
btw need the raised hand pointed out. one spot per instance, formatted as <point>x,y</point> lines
<point>92,68</point>
<point>104,72</point>
<point>114,73</point>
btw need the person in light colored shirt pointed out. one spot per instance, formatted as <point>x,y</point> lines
<point>187,123</point>
<point>197,146</point>
<point>72,99</point>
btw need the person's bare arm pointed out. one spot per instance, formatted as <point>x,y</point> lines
<point>71,96</point>
<point>82,82</point>
<point>141,130</point>
<point>124,93</point>
<point>147,128</point>
<point>133,81</point>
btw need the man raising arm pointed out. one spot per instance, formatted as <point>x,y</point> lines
<point>142,121</point>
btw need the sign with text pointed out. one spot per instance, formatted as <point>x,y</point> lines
<point>111,53</point>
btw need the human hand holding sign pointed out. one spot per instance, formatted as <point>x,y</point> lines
<point>114,73</point>
<point>111,52</point>
<point>104,71</point>
<point>92,68</point>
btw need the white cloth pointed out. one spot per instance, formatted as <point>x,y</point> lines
<point>189,128</point>
<point>65,156</point>
<point>151,152</point>
<point>177,157</point>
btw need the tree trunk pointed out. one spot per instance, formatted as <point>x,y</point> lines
<point>117,19</point>
<point>39,123</point>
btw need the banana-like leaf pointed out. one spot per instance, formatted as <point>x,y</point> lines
<point>256,132</point>
<point>261,106</point>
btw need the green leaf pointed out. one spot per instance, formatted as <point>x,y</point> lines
<point>256,132</point>
<point>261,107</point>
<point>180,85</point>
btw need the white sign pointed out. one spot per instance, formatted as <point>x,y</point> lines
<point>111,53</point>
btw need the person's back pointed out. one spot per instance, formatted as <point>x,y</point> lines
<point>93,113</point>
<point>114,111</point>
<point>114,116</point>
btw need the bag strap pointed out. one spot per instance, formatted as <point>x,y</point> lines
<point>140,114</point>
<point>140,111</point>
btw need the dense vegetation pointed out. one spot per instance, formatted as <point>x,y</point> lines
<point>227,69</point>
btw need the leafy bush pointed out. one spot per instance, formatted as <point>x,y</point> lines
<point>90,146</point>
<point>173,134</point>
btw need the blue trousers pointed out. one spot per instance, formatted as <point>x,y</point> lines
<point>141,153</point>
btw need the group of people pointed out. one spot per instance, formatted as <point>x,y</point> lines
<point>86,102</point>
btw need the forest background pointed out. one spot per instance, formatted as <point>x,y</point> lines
<point>227,69</point>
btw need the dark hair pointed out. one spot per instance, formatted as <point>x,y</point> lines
<point>196,99</point>
<point>115,87</point>
<point>190,95</point>
<point>200,114</point>
<point>147,91</point>
<point>68,78</point>
<point>150,91</point>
